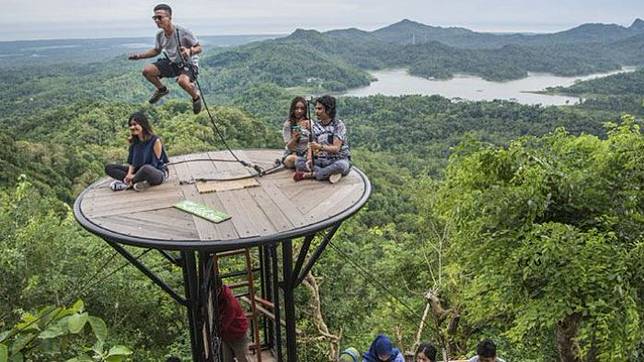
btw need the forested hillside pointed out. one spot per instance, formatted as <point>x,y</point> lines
<point>616,84</point>
<point>620,92</point>
<point>526,222</point>
<point>342,56</point>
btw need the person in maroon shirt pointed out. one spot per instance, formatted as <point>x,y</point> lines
<point>233,325</point>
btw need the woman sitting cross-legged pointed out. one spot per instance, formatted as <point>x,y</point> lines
<point>330,148</point>
<point>146,160</point>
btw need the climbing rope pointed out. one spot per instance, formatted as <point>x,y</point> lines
<point>187,64</point>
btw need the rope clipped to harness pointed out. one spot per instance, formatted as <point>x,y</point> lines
<point>187,65</point>
<point>276,168</point>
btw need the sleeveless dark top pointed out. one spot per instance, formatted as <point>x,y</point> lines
<point>142,153</point>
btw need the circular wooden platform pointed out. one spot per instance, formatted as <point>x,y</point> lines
<point>274,209</point>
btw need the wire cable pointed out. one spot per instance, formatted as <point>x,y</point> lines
<point>77,295</point>
<point>367,276</point>
<point>88,286</point>
<point>98,270</point>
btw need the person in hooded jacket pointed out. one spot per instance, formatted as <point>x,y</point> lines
<point>382,350</point>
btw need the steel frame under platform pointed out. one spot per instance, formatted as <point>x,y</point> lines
<point>277,286</point>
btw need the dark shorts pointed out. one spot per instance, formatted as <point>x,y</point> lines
<point>171,70</point>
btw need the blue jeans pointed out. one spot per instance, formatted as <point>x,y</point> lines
<point>324,167</point>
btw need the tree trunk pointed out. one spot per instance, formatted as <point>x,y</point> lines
<point>318,320</point>
<point>567,346</point>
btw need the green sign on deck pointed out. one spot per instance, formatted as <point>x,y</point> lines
<point>202,210</point>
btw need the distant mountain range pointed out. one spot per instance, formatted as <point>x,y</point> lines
<point>340,59</point>
<point>410,32</point>
<point>337,59</point>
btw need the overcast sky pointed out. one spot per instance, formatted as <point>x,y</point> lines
<point>47,19</point>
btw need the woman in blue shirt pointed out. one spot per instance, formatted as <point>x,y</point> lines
<point>146,160</point>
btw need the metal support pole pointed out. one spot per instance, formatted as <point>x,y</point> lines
<point>172,259</point>
<point>265,275</point>
<point>289,302</point>
<point>192,295</point>
<point>304,250</point>
<point>150,274</point>
<point>276,301</point>
<point>316,255</point>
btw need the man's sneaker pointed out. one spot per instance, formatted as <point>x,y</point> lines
<point>197,105</point>
<point>141,186</point>
<point>117,185</point>
<point>335,178</point>
<point>158,94</point>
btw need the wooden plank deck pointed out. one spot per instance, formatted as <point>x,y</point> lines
<point>277,205</point>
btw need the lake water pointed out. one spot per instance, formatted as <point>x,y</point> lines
<point>395,82</point>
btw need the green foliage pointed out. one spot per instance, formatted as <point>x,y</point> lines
<point>544,231</point>
<point>395,139</point>
<point>50,335</point>
<point>426,127</point>
<point>46,259</point>
<point>630,104</point>
<point>286,62</point>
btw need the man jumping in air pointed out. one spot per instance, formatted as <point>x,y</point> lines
<point>180,48</point>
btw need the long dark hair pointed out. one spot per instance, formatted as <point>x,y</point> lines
<point>142,120</point>
<point>291,112</point>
